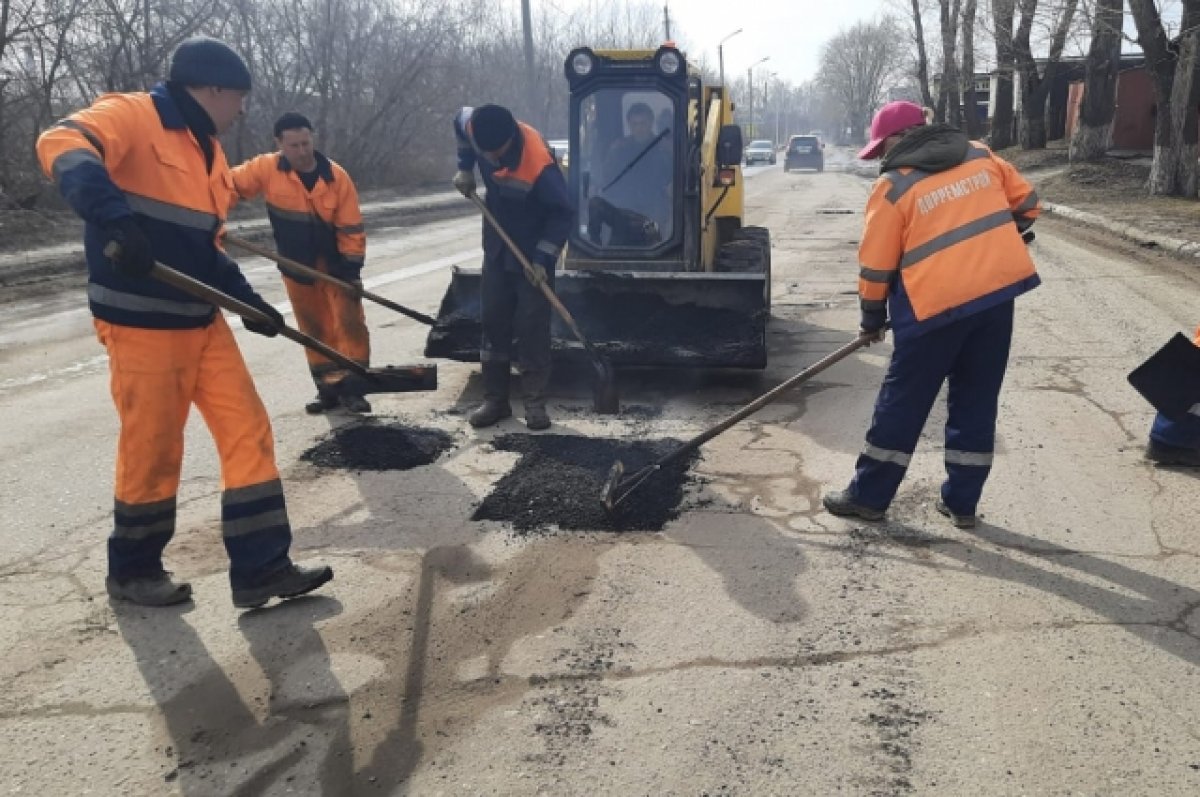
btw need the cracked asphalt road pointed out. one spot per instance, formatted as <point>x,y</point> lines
<point>755,646</point>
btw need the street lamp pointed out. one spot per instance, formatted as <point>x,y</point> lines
<point>773,77</point>
<point>721,55</point>
<point>750,91</point>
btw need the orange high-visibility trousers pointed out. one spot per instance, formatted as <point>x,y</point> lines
<point>156,376</point>
<point>334,316</point>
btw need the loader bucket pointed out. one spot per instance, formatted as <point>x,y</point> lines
<point>634,318</point>
<point>457,331</point>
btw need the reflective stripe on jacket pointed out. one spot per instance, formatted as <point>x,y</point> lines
<point>133,155</point>
<point>942,245</point>
<point>526,193</point>
<point>322,224</point>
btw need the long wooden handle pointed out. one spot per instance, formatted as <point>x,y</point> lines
<point>297,267</point>
<point>532,274</point>
<point>223,300</point>
<point>766,398</point>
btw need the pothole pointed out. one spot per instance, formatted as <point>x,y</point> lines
<point>558,480</point>
<point>379,446</point>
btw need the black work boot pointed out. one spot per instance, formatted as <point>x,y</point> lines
<point>289,582</point>
<point>1173,456</point>
<point>355,403</point>
<point>495,406</point>
<point>156,590</point>
<point>325,401</point>
<point>533,385</point>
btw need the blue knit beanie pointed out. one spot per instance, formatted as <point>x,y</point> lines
<point>204,61</point>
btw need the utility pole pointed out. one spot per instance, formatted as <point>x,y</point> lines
<point>667,22</point>
<point>721,55</point>
<point>750,92</point>
<point>530,95</point>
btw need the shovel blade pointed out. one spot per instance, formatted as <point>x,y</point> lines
<point>605,399</point>
<point>608,494</point>
<point>391,379</point>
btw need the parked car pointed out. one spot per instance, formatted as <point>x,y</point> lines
<point>761,151</point>
<point>804,152</point>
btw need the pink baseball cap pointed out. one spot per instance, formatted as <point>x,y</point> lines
<point>890,120</point>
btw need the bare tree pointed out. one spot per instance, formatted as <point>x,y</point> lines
<point>949,107</point>
<point>970,100</point>
<point>857,66</point>
<point>922,55</point>
<point>1035,83</point>
<point>1173,64</point>
<point>1093,132</point>
<point>1003,12</point>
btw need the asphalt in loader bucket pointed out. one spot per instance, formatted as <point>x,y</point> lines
<point>688,319</point>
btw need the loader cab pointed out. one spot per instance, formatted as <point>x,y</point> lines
<point>629,138</point>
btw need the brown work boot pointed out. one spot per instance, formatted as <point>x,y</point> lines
<point>959,521</point>
<point>156,590</point>
<point>842,504</point>
<point>290,582</point>
<point>495,406</point>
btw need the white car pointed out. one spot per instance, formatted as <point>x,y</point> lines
<point>761,151</point>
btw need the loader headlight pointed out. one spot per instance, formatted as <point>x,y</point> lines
<point>669,62</point>
<point>582,64</point>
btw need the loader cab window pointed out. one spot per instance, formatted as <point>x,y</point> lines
<point>627,165</point>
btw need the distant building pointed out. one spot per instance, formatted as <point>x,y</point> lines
<point>1133,123</point>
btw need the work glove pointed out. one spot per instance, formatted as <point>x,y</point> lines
<point>873,335</point>
<point>1028,237</point>
<point>262,305</point>
<point>536,274</point>
<point>464,182</point>
<point>128,249</point>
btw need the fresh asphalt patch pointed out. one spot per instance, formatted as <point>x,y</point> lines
<point>558,480</point>
<point>375,445</point>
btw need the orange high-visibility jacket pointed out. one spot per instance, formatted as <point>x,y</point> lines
<point>939,246</point>
<point>322,225</point>
<point>132,155</point>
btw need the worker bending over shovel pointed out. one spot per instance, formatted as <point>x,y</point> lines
<point>314,213</point>
<point>527,195</point>
<point>148,175</point>
<point>942,259</point>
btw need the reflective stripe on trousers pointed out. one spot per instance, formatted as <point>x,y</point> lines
<point>972,355</point>
<point>156,376</point>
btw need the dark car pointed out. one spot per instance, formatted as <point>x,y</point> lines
<point>804,152</point>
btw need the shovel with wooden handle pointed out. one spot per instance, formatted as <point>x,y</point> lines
<point>617,486</point>
<point>308,271</point>
<point>363,380</point>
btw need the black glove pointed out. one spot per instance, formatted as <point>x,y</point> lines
<point>262,305</point>
<point>1028,237</point>
<point>129,249</point>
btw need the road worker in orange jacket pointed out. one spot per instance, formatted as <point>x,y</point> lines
<point>148,175</point>
<point>1176,443</point>
<point>942,258</point>
<point>315,217</point>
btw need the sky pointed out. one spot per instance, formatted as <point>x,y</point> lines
<point>790,32</point>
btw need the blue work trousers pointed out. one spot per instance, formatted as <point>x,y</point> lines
<point>972,355</point>
<point>1184,433</point>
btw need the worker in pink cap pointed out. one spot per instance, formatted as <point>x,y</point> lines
<point>941,261</point>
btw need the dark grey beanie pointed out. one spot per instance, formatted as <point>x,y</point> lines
<point>492,126</point>
<point>204,61</point>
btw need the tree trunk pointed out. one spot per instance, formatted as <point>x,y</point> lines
<point>1002,112</point>
<point>949,107</point>
<point>1035,87</point>
<point>970,101</point>
<point>1093,130</point>
<point>922,56</point>
<point>1173,70</point>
